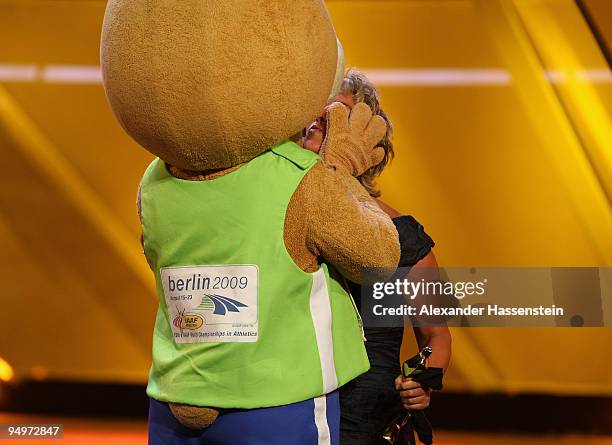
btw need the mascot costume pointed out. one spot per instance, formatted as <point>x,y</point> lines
<point>243,229</point>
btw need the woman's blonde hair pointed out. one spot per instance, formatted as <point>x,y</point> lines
<point>359,86</point>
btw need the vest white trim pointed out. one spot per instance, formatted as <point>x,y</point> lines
<point>320,417</point>
<point>320,311</point>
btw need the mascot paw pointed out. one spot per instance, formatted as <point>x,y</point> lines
<point>194,417</point>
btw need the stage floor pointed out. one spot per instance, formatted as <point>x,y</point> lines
<point>125,432</point>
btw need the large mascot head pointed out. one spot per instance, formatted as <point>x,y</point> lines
<point>209,84</point>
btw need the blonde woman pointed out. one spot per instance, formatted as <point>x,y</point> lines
<point>371,401</point>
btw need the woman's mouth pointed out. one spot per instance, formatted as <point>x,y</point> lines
<point>318,125</point>
<point>314,127</point>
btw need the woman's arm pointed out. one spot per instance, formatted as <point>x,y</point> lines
<point>438,337</point>
<point>413,396</point>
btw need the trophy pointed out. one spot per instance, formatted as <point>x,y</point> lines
<point>417,364</point>
<point>400,430</point>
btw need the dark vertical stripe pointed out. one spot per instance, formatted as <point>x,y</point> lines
<point>590,20</point>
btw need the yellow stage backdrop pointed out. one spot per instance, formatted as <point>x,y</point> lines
<point>504,152</point>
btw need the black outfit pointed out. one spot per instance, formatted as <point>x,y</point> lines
<point>369,402</point>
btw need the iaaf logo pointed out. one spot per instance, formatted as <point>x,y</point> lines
<point>218,304</point>
<point>187,321</point>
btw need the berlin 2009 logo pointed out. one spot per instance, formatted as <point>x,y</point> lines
<point>217,304</point>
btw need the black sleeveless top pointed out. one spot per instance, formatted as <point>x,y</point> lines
<point>370,401</point>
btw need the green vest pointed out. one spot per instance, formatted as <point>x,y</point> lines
<point>239,324</point>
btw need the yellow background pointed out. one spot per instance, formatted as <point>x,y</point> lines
<point>516,174</point>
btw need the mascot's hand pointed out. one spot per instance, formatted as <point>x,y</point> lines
<point>194,417</point>
<point>350,144</point>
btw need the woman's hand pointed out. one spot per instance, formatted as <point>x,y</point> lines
<point>413,395</point>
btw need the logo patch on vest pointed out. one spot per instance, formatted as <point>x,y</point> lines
<point>212,303</point>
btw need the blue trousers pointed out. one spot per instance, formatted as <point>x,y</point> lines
<point>311,422</point>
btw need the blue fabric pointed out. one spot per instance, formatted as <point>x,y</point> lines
<point>289,424</point>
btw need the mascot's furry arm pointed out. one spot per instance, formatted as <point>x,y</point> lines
<point>330,214</point>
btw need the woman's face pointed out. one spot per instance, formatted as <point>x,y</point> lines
<point>314,134</point>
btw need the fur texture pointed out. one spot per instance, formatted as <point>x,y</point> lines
<point>211,84</point>
<point>194,417</point>
<point>331,216</point>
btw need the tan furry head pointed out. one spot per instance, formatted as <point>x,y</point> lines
<point>209,84</point>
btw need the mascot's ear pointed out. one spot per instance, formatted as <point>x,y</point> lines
<point>340,68</point>
<point>208,84</point>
